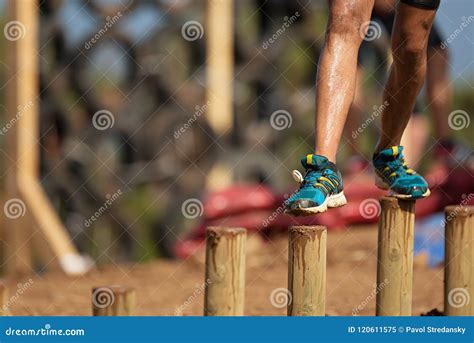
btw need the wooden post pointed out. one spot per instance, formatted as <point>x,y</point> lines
<point>307,271</point>
<point>220,64</point>
<point>219,35</point>
<point>459,261</point>
<point>395,257</point>
<point>21,46</point>
<point>113,301</point>
<point>3,299</point>
<point>225,271</point>
<point>24,190</point>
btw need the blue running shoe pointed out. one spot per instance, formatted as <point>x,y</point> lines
<point>392,173</point>
<point>320,188</point>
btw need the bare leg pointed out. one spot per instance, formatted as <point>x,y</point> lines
<point>355,114</point>
<point>438,97</point>
<point>414,139</point>
<point>438,90</point>
<point>336,77</point>
<point>409,41</point>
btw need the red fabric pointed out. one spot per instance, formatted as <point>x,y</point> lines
<point>258,209</point>
<point>238,199</point>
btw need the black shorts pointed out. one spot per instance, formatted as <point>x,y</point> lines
<point>368,52</point>
<point>424,4</point>
<point>434,40</point>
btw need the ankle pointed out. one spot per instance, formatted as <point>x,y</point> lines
<point>382,146</point>
<point>331,157</point>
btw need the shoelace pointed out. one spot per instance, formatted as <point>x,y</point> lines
<point>315,179</point>
<point>399,167</point>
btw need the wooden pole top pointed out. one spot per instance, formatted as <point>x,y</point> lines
<point>388,202</point>
<point>311,231</point>
<point>308,228</point>
<point>113,301</point>
<point>459,211</point>
<point>225,231</point>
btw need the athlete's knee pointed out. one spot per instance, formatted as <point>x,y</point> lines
<point>423,4</point>
<point>410,38</point>
<point>412,53</point>
<point>347,20</point>
<point>409,46</point>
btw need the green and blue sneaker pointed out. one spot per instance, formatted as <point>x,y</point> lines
<point>320,188</point>
<point>392,173</point>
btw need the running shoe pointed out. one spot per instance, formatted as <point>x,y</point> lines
<point>320,188</point>
<point>393,173</point>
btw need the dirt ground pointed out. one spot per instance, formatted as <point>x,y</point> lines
<point>164,286</point>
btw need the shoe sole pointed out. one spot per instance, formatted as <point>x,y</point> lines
<point>384,186</point>
<point>336,200</point>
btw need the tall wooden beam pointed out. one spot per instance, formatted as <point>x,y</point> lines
<point>220,64</point>
<point>21,32</point>
<point>23,185</point>
<point>219,35</point>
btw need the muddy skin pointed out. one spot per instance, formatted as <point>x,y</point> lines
<point>336,78</point>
